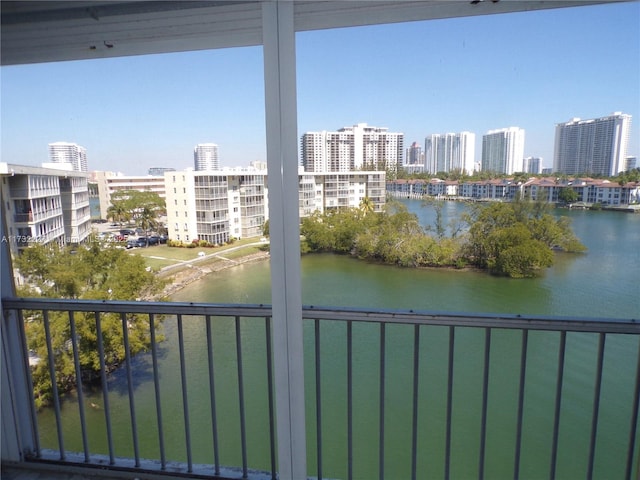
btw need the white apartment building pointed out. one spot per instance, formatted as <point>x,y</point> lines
<point>110,182</point>
<point>450,151</point>
<point>205,157</point>
<point>503,150</point>
<point>360,147</point>
<point>44,205</point>
<point>326,191</point>
<point>72,153</point>
<point>215,206</point>
<point>595,146</point>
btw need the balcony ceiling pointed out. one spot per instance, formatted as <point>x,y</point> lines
<point>51,31</point>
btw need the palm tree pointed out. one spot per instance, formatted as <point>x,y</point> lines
<point>118,212</point>
<point>366,206</point>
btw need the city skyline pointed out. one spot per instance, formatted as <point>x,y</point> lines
<point>536,70</point>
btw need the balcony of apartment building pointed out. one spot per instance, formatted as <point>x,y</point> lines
<point>298,419</point>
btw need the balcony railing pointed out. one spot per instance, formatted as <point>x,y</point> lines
<point>390,394</point>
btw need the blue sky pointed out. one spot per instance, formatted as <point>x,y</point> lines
<point>530,70</point>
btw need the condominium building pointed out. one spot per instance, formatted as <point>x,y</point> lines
<point>450,151</point>
<point>532,165</point>
<point>72,153</point>
<point>205,157</point>
<point>360,147</point>
<point>216,205</point>
<point>503,150</point>
<point>414,154</point>
<point>595,146</point>
<point>327,191</point>
<point>605,192</point>
<point>44,205</point>
<point>110,182</point>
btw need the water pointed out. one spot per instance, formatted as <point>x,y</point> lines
<point>601,283</point>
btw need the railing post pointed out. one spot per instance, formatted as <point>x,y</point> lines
<point>286,292</point>
<point>15,407</point>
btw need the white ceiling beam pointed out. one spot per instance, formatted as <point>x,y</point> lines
<point>35,32</point>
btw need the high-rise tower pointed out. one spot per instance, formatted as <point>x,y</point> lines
<point>450,151</point>
<point>360,147</point>
<point>503,150</point>
<point>596,146</point>
<point>205,157</point>
<point>72,153</point>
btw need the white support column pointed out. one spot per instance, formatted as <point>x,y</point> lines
<point>284,229</point>
<point>15,411</point>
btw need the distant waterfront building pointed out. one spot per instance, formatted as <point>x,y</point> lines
<point>159,171</point>
<point>503,150</point>
<point>72,153</point>
<point>414,154</point>
<point>596,146</point>
<point>631,163</point>
<point>44,205</point>
<point>360,147</point>
<point>450,151</point>
<point>532,165</point>
<point>205,157</point>
<point>605,192</point>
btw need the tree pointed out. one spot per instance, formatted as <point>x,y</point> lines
<point>143,208</point>
<point>366,206</point>
<point>516,239</point>
<point>92,272</point>
<point>118,212</point>
<point>567,195</point>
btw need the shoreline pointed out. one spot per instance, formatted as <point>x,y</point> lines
<point>192,272</point>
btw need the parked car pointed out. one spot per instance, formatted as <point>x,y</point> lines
<point>136,243</point>
<point>127,232</point>
<point>153,240</point>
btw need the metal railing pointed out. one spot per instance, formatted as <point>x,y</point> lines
<point>405,357</point>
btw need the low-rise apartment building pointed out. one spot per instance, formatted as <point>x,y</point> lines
<point>110,182</point>
<point>590,191</point>
<point>44,205</point>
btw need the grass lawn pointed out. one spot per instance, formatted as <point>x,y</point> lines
<point>166,256</point>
